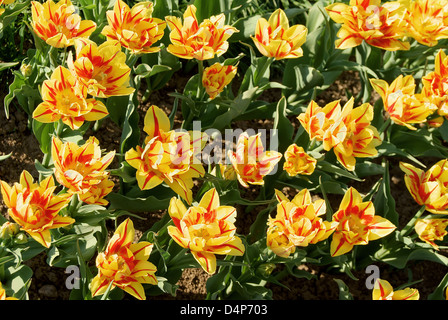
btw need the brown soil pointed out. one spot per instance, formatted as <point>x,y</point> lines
<point>49,283</point>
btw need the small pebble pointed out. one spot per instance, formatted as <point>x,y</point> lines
<point>48,291</point>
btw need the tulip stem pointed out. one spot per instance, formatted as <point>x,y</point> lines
<point>109,288</point>
<point>200,74</point>
<point>411,223</point>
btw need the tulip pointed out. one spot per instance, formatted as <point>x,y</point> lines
<point>35,207</point>
<point>384,291</point>
<point>125,264</point>
<point>428,188</point>
<point>206,229</point>
<point>274,38</point>
<point>378,25</point>
<point>250,162</point>
<point>216,77</point>
<point>430,230</point>
<point>194,40</point>
<point>81,169</point>
<point>58,24</point>
<point>427,21</point>
<point>297,223</point>
<point>435,84</point>
<point>135,28</point>
<point>65,99</point>
<point>167,156</point>
<point>357,224</point>
<point>101,69</point>
<point>401,103</point>
<point>3,294</point>
<point>297,161</point>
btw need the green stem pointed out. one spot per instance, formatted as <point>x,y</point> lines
<point>109,288</point>
<point>411,223</point>
<point>200,75</point>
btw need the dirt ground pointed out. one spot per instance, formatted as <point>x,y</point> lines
<point>49,283</point>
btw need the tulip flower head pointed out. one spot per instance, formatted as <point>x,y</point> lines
<point>357,224</point>
<point>276,39</point>
<point>206,229</point>
<point>297,161</point>
<point>125,264</point>
<point>381,26</point>
<point>297,223</point>
<point>250,162</point>
<point>167,156</point>
<point>134,28</point>
<point>431,230</point>
<point>216,77</point>
<point>428,188</point>
<point>35,207</point>
<point>384,291</point>
<point>427,21</point>
<point>101,69</point>
<point>81,169</point>
<point>435,84</point>
<point>401,103</point>
<point>65,99</point>
<point>58,24</point>
<point>194,40</point>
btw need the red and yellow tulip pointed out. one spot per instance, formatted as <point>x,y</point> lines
<point>381,26</point>
<point>435,84</point>
<point>167,156</point>
<point>384,291</point>
<point>297,161</point>
<point>357,224</point>
<point>125,264</point>
<point>297,223</point>
<point>35,207</point>
<point>65,99</point>
<point>276,39</point>
<point>134,28</point>
<point>194,40</point>
<point>250,162</point>
<point>428,188</point>
<point>427,21</point>
<point>206,229</point>
<point>216,77</point>
<point>101,69</point>
<point>58,24</point>
<point>401,103</point>
<point>431,230</point>
<point>81,169</point>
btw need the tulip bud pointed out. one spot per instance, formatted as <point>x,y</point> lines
<point>8,230</point>
<point>20,238</point>
<point>266,269</point>
<point>26,69</point>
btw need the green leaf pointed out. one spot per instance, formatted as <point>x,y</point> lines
<point>6,65</point>
<point>119,201</point>
<point>283,128</point>
<point>439,292</point>
<point>43,133</point>
<point>344,292</point>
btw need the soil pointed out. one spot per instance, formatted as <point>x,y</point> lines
<point>49,283</point>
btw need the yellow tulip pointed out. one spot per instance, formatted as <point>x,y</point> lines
<point>400,101</point>
<point>428,188</point>
<point>250,162</point>
<point>81,169</point>
<point>357,224</point>
<point>297,161</point>
<point>101,69</point>
<point>64,98</point>
<point>435,84</point>
<point>206,229</point>
<point>3,294</point>
<point>167,156</point>
<point>125,264</point>
<point>194,40</point>
<point>381,26</point>
<point>384,291</point>
<point>276,39</point>
<point>58,24</point>
<point>216,77</point>
<point>430,230</point>
<point>134,28</point>
<point>297,223</point>
<point>427,21</point>
<point>35,207</point>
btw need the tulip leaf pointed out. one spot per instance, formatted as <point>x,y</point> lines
<point>439,292</point>
<point>344,293</point>
<point>17,281</point>
<point>119,201</point>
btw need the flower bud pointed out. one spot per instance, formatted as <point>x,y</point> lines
<point>266,269</point>
<point>26,69</point>
<point>8,230</point>
<point>20,238</point>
